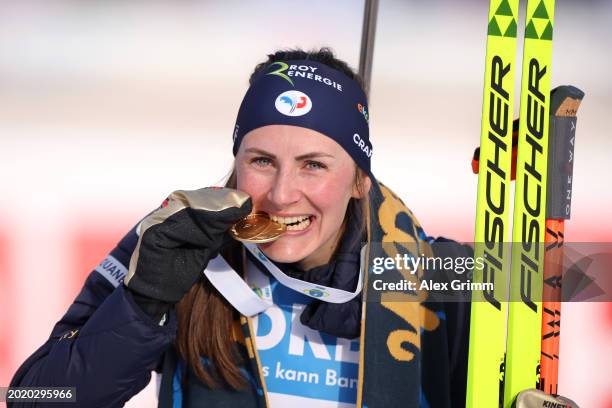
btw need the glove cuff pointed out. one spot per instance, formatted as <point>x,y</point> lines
<point>155,309</point>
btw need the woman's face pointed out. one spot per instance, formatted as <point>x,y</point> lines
<point>302,179</point>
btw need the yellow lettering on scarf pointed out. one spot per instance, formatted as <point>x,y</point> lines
<point>395,340</point>
<point>407,306</point>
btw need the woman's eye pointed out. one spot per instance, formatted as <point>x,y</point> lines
<point>315,165</point>
<point>261,161</point>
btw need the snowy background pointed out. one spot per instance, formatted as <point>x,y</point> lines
<point>107,106</point>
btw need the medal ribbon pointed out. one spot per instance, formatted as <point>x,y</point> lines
<point>244,298</point>
<point>319,292</point>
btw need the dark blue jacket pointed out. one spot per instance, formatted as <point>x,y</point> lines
<point>106,347</point>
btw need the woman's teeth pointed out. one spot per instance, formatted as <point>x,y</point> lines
<point>293,223</point>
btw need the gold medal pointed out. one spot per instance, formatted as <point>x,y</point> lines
<point>273,231</point>
<point>257,228</point>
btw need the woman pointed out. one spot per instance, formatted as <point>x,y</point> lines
<point>302,155</point>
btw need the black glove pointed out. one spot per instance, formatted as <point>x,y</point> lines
<point>177,241</point>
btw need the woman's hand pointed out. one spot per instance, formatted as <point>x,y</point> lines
<point>178,239</point>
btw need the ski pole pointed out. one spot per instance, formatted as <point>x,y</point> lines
<point>368,31</point>
<point>565,101</point>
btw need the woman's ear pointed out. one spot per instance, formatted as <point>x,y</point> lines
<point>362,185</point>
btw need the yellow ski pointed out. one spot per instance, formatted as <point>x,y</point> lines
<point>488,313</point>
<point>526,278</point>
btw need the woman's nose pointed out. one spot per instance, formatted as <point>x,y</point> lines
<point>285,190</point>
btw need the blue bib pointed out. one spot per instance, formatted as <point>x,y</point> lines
<point>301,365</point>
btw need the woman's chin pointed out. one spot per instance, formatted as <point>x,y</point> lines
<point>285,252</point>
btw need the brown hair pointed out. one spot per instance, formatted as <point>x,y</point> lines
<point>205,321</point>
<point>205,318</point>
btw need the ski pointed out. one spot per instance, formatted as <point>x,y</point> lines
<point>527,263</point>
<point>564,104</point>
<point>488,311</point>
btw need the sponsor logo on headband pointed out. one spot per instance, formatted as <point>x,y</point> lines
<point>287,71</point>
<point>293,103</point>
<point>362,145</point>
<point>362,109</point>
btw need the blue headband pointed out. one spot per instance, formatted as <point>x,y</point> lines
<point>310,95</point>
